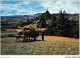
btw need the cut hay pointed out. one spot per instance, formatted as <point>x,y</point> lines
<point>29,27</point>
<point>33,29</point>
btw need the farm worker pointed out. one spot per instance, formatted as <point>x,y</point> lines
<point>42,35</point>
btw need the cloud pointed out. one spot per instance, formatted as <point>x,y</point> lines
<point>12,8</point>
<point>71,6</point>
<point>53,6</point>
<point>33,7</point>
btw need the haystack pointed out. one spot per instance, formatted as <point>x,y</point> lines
<point>33,29</point>
<point>30,27</point>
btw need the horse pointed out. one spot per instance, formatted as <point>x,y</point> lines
<point>26,34</point>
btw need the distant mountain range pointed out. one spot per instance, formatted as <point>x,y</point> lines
<point>21,17</point>
<point>70,16</point>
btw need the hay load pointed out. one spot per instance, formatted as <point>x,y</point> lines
<point>33,29</point>
<point>29,27</point>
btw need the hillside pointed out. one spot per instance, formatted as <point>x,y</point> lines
<point>21,17</point>
<point>52,45</point>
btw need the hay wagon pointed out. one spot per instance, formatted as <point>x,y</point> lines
<point>27,37</point>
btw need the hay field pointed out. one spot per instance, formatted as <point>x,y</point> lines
<point>52,45</point>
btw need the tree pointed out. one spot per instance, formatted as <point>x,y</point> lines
<point>63,26</point>
<point>64,12</point>
<point>26,23</point>
<point>60,12</point>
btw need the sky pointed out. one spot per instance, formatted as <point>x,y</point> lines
<point>28,7</point>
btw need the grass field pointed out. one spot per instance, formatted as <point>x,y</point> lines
<point>5,33</point>
<point>52,45</point>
